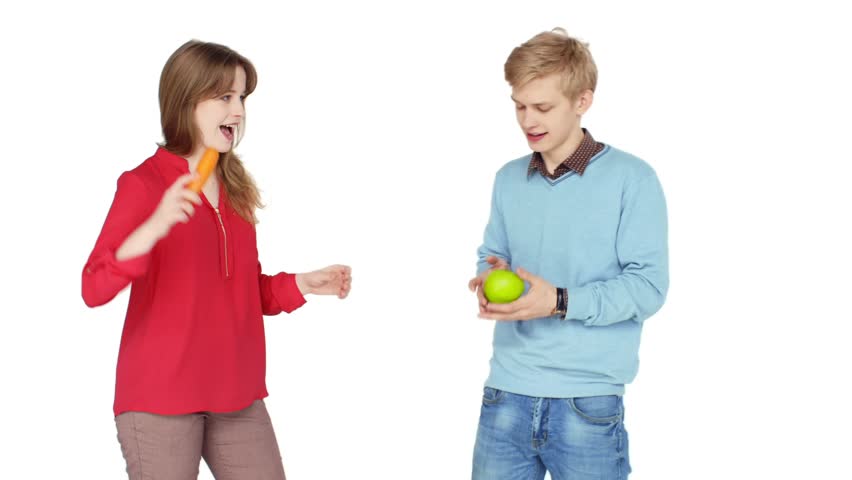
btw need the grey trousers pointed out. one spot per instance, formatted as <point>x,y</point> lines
<point>236,445</point>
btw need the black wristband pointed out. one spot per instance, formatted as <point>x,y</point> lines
<point>561,300</point>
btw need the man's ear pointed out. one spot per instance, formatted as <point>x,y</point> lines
<point>584,102</point>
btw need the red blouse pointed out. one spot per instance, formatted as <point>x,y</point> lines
<point>193,336</point>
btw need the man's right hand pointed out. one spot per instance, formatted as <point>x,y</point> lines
<point>475,284</point>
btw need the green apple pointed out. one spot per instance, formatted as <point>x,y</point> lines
<point>503,286</point>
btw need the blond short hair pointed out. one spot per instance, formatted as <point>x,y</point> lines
<point>553,52</point>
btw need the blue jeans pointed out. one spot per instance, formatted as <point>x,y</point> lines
<point>521,438</point>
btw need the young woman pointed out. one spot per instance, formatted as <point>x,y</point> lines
<point>190,379</point>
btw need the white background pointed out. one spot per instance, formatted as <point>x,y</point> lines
<point>374,134</point>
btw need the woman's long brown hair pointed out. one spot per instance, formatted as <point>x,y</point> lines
<point>195,72</point>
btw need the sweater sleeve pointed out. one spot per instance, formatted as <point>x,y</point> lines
<point>494,240</point>
<point>642,248</point>
<point>279,293</point>
<point>103,275</point>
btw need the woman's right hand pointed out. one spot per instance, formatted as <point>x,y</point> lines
<point>176,206</point>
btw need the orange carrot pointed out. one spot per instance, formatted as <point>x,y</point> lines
<point>205,167</point>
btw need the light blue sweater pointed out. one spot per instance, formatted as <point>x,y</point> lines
<point>603,236</point>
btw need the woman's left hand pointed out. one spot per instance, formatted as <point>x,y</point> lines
<point>332,280</point>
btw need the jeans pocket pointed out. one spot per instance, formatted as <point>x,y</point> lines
<point>600,409</point>
<point>492,396</point>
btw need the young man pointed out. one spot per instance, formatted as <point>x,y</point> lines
<point>584,224</point>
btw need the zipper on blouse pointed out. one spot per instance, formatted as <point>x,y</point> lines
<point>225,235</point>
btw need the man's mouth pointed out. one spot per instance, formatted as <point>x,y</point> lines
<point>534,137</point>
